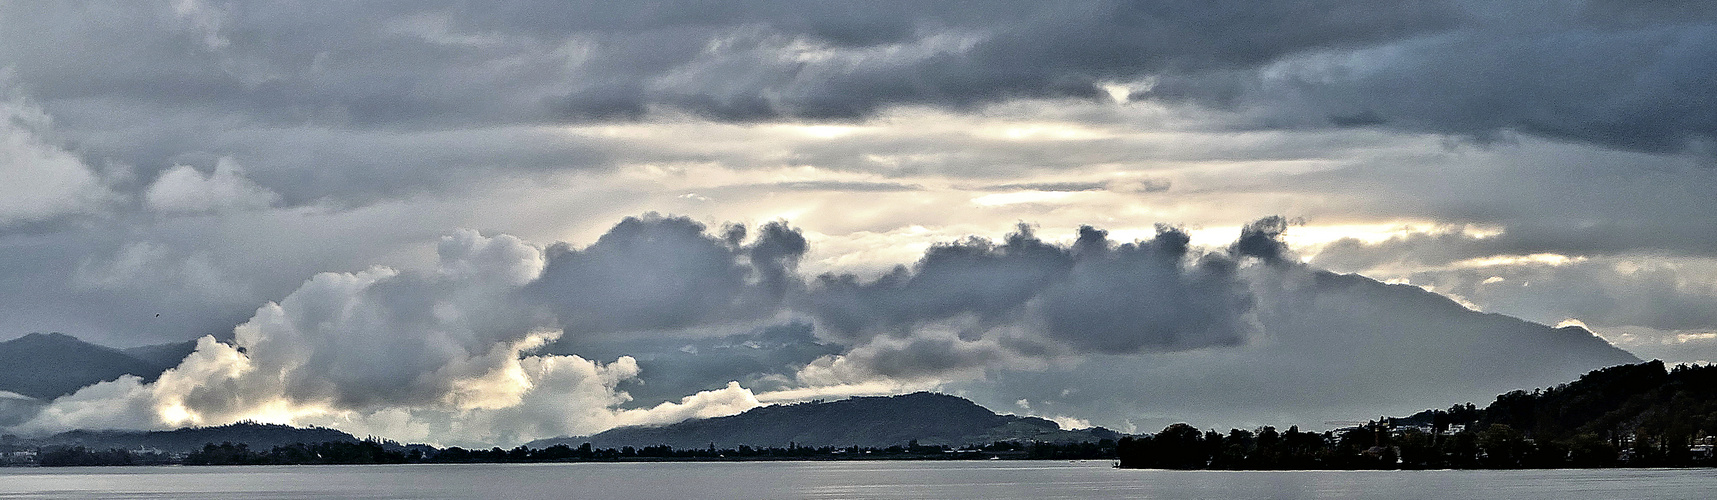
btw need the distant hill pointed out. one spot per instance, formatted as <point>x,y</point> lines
<point>256,436</point>
<point>1638,415</point>
<point>1646,400</point>
<point>1408,322</point>
<point>162,356</point>
<point>50,365</point>
<point>929,418</point>
<point>1330,346</point>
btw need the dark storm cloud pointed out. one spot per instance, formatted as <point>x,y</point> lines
<point>1144,296</point>
<point>1092,296</point>
<point>391,63</point>
<point>970,304</point>
<point>1023,300</point>
<point>661,273</point>
<point>372,100</point>
<point>1018,51</point>
<point>1635,76</point>
<point>1263,239</point>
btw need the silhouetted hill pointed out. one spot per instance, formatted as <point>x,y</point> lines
<point>161,356</point>
<point>1639,401</point>
<point>1638,415</point>
<point>1409,321</point>
<point>256,436</point>
<point>929,418</point>
<point>50,365</point>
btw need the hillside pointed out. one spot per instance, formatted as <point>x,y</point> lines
<point>1658,411</point>
<point>50,365</point>
<point>162,356</point>
<point>929,418</point>
<point>256,436</point>
<point>1638,415</point>
<point>1329,347</point>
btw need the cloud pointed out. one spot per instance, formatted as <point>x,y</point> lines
<point>448,348</point>
<point>1159,335</point>
<point>1695,346</point>
<point>182,189</point>
<point>142,267</point>
<point>205,19</point>
<point>43,180</point>
<point>1138,186</point>
<point>1263,239</point>
<point>974,305</point>
<point>1600,286</point>
<point>844,186</point>
<point>658,273</point>
<point>391,100</point>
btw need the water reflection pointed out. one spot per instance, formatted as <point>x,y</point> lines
<point>977,479</point>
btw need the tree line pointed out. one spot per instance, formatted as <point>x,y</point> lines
<point>379,452</point>
<point>1639,415</point>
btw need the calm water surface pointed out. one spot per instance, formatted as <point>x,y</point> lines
<point>978,479</point>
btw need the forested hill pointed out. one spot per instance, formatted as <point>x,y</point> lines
<point>928,418</point>
<point>1637,415</point>
<point>1644,406</point>
<point>256,436</point>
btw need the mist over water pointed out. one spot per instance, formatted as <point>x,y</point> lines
<point>846,479</point>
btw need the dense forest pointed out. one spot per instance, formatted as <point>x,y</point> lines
<point>1640,415</point>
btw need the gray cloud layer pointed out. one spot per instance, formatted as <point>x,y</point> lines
<point>388,98</point>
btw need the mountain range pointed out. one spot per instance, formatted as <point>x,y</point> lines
<point>49,365</point>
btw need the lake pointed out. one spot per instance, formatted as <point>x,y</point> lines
<point>848,479</point>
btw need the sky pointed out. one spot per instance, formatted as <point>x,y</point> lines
<point>553,218</point>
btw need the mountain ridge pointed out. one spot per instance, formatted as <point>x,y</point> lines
<point>187,439</point>
<point>874,421</point>
<point>49,365</point>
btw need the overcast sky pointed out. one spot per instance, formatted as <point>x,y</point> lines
<point>203,161</point>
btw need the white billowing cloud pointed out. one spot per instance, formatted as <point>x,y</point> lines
<point>568,396</point>
<point>1067,422</point>
<point>928,357</point>
<point>727,400</point>
<point>41,180</point>
<point>442,355</point>
<point>182,189</point>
